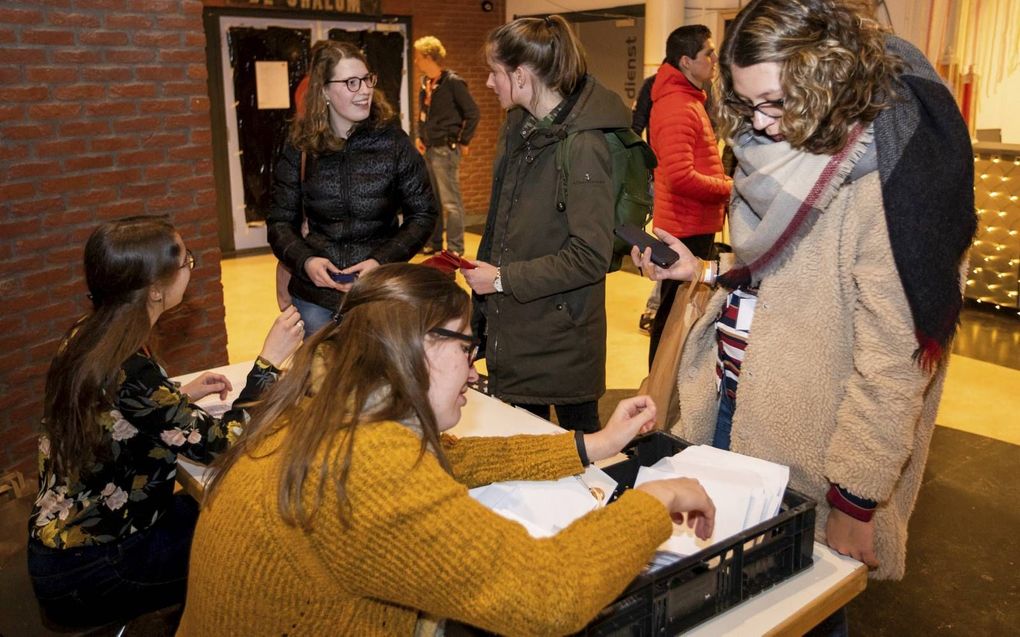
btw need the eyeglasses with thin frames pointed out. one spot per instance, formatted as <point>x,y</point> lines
<point>768,108</point>
<point>189,260</point>
<point>354,83</point>
<point>473,341</point>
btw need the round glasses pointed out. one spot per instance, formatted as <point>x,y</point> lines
<point>472,352</point>
<point>768,108</point>
<point>354,83</point>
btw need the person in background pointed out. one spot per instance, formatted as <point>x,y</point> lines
<point>640,114</point>
<point>540,280</point>
<point>642,110</point>
<point>108,539</point>
<point>691,187</point>
<point>826,343</point>
<point>447,120</point>
<point>349,170</point>
<point>350,504</point>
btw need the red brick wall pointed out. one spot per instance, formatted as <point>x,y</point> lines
<point>104,113</point>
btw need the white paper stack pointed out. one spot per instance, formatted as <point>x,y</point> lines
<point>546,507</point>
<point>745,491</point>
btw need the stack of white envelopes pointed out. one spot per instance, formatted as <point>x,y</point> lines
<point>546,507</point>
<point>745,490</point>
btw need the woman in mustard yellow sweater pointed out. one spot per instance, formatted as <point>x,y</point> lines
<point>344,511</point>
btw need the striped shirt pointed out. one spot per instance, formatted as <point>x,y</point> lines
<point>732,330</point>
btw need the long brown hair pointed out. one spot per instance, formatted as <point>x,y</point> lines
<point>547,46</point>
<point>835,70</point>
<point>123,259</point>
<point>312,132</point>
<point>368,367</point>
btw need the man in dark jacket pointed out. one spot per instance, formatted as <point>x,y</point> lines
<point>447,119</point>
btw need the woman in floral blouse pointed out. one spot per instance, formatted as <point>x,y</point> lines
<point>108,537</point>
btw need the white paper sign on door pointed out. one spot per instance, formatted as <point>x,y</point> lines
<point>272,88</point>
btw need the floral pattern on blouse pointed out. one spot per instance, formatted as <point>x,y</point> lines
<point>130,484</point>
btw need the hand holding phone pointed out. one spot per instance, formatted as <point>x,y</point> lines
<point>662,255</point>
<point>340,277</point>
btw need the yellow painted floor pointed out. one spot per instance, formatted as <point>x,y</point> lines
<point>979,397</point>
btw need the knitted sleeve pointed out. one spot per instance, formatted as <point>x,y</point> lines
<point>478,461</point>
<point>418,540</point>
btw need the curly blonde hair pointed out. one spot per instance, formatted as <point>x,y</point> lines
<point>835,70</point>
<point>430,46</point>
<point>312,132</point>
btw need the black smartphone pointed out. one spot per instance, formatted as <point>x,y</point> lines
<point>340,277</point>
<point>662,255</point>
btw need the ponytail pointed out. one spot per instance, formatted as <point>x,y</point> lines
<point>548,46</point>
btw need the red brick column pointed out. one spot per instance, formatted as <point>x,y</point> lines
<point>104,113</point>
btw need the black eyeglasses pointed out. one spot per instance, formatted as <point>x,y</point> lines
<point>189,260</point>
<point>472,352</point>
<point>354,83</point>
<point>768,108</point>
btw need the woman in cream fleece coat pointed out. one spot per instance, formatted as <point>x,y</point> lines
<point>829,329</point>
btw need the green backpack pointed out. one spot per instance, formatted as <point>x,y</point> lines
<point>632,164</point>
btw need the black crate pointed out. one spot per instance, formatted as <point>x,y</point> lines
<point>674,593</point>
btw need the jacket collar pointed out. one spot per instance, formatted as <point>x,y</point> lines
<point>595,108</point>
<point>670,80</point>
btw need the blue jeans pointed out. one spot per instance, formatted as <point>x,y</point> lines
<point>93,585</point>
<point>724,419</point>
<point>444,172</point>
<point>314,316</point>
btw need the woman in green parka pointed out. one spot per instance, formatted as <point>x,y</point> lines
<point>540,281</point>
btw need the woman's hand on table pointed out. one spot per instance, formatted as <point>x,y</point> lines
<point>849,536</point>
<point>631,417</point>
<point>684,496</point>
<point>207,383</point>
<point>686,268</point>
<point>284,337</point>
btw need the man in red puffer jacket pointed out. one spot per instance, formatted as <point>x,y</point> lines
<point>691,187</point>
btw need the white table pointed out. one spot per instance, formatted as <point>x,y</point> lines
<point>789,608</point>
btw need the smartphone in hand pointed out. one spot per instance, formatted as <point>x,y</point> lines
<point>340,277</point>
<point>662,255</point>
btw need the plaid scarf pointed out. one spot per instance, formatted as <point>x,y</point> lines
<point>777,192</point>
<point>925,163</point>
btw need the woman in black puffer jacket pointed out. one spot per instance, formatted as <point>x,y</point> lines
<point>360,170</point>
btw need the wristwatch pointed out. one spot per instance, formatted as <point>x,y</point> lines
<point>498,281</point>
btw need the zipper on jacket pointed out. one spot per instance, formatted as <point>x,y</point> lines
<point>499,258</point>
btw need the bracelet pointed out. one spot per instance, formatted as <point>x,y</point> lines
<point>582,450</point>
